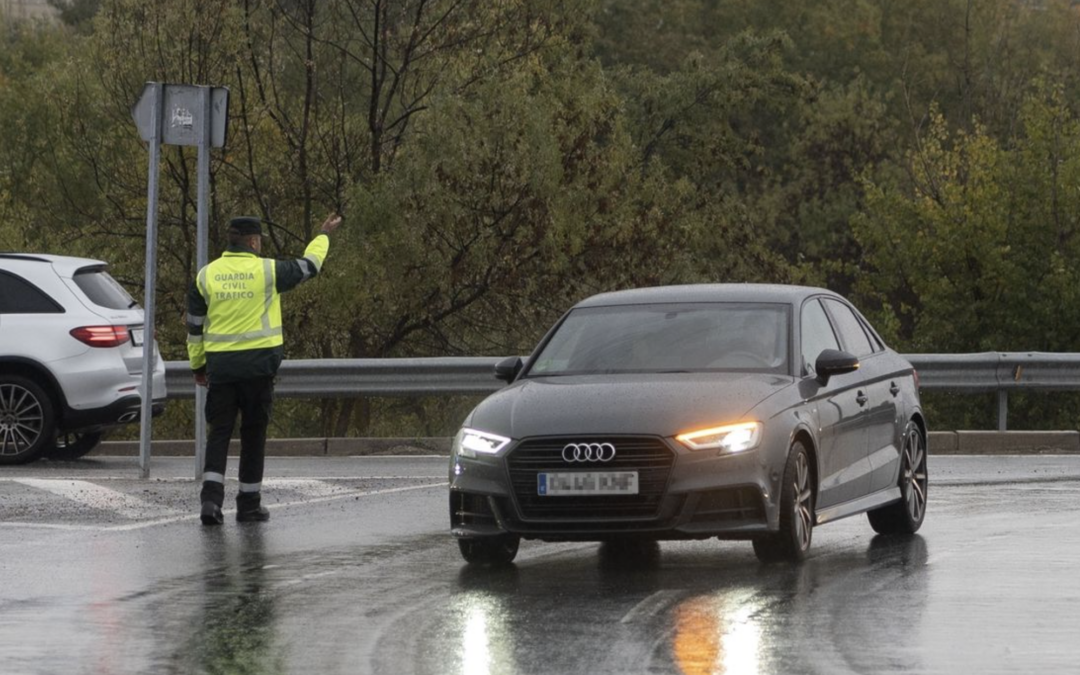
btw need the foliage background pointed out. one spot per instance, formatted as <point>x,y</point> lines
<point>498,160</point>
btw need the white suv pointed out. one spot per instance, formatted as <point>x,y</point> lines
<point>70,357</point>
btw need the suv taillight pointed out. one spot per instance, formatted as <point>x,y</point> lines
<point>101,336</point>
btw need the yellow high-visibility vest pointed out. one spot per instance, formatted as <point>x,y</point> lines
<point>244,307</point>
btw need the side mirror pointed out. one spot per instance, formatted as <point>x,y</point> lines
<point>834,362</point>
<point>507,369</point>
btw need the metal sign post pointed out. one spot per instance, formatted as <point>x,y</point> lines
<point>146,391</point>
<point>201,255</point>
<point>176,114</point>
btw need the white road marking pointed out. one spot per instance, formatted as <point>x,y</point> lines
<point>98,497</point>
<point>191,516</point>
<point>652,605</point>
<point>309,486</point>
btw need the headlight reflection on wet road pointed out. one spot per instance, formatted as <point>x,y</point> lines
<point>486,644</point>
<point>475,648</point>
<point>718,635</point>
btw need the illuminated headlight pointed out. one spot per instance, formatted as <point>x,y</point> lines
<point>729,438</point>
<point>470,442</point>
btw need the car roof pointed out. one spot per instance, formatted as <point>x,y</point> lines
<point>64,265</point>
<point>773,293</point>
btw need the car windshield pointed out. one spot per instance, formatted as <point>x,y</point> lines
<point>691,337</point>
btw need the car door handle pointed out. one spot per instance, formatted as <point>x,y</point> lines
<point>861,398</point>
<point>894,389</point>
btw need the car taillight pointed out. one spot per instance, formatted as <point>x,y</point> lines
<point>101,336</point>
<point>916,374</point>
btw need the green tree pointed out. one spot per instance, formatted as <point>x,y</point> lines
<point>973,248</point>
<point>490,171</point>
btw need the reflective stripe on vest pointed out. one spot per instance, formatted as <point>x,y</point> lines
<point>244,307</point>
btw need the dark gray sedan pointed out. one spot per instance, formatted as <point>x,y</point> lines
<point>737,411</point>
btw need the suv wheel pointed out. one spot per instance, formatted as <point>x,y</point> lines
<point>26,420</point>
<point>72,445</point>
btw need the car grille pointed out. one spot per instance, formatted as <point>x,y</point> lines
<point>650,457</point>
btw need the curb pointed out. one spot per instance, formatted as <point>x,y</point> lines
<point>1004,442</point>
<point>293,447</point>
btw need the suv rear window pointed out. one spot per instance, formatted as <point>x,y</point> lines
<point>102,289</point>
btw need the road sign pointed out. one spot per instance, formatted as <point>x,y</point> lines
<point>182,114</point>
<point>175,114</point>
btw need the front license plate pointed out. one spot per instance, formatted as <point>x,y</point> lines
<point>137,336</point>
<point>587,483</point>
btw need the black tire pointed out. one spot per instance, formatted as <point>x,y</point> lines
<point>498,550</point>
<point>27,420</point>
<point>72,445</point>
<point>797,496</point>
<point>906,516</point>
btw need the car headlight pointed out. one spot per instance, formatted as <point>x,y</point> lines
<point>728,438</point>
<point>470,442</point>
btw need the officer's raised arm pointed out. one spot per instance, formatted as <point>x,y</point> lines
<point>292,273</point>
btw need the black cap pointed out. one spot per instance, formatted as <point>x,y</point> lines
<point>245,225</point>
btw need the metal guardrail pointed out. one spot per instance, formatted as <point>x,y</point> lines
<point>998,371</point>
<point>345,378</point>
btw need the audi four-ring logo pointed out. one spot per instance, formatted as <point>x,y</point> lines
<point>588,452</point>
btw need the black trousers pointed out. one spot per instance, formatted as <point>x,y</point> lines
<point>252,400</point>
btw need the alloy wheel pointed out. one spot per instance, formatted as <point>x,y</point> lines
<point>22,419</point>
<point>803,502</point>
<point>915,474</point>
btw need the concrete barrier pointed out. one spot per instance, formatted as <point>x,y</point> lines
<point>339,447</point>
<point>1017,442</point>
<point>940,443</point>
<point>294,447</point>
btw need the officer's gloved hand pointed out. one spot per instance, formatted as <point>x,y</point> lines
<point>331,223</point>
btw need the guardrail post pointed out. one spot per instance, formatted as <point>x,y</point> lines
<point>1003,408</point>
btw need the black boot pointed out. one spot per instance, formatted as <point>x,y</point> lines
<point>211,514</point>
<point>257,515</point>
<point>249,508</point>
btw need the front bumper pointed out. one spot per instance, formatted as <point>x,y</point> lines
<point>704,495</point>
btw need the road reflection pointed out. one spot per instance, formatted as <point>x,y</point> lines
<point>235,633</point>
<point>485,639</point>
<point>718,635</point>
<point>692,611</point>
<point>748,629</point>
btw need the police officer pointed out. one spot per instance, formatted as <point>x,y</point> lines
<point>235,347</point>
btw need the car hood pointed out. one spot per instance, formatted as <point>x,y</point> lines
<point>654,404</point>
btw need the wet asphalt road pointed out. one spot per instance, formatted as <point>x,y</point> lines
<point>355,573</point>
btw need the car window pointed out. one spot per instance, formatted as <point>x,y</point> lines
<point>102,289</point>
<point>851,330</point>
<point>817,334</point>
<point>668,337</point>
<point>19,296</point>
<point>875,341</point>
